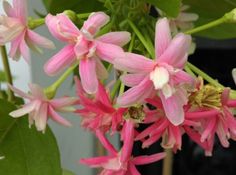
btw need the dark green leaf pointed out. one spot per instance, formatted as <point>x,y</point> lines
<point>170,7</point>
<point>208,11</point>
<point>78,6</point>
<point>26,151</point>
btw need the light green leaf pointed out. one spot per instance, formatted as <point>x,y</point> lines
<point>209,10</point>
<point>2,76</point>
<point>26,151</point>
<point>170,7</point>
<point>78,6</point>
<point>66,172</point>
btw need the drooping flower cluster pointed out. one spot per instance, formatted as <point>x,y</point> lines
<point>159,92</point>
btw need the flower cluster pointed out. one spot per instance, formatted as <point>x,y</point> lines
<point>159,92</point>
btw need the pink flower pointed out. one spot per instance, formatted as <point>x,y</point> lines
<point>220,122</point>
<point>40,108</point>
<point>164,75</point>
<point>161,127</point>
<point>14,29</point>
<point>98,113</point>
<point>122,162</point>
<point>83,45</point>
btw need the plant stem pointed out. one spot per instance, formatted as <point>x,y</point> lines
<point>207,26</point>
<point>142,39</point>
<point>7,70</point>
<point>115,89</point>
<point>83,15</point>
<point>204,75</point>
<point>168,162</point>
<point>52,89</point>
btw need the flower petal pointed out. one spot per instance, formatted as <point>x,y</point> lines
<point>234,75</point>
<point>116,38</point>
<point>134,63</point>
<point>40,40</point>
<point>101,70</point>
<point>142,160</point>
<point>57,118</point>
<point>20,9</point>
<point>87,70</point>
<point>8,9</point>
<point>19,92</point>
<point>24,49</point>
<point>61,27</point>
<point>109,52</point>
<point>60,61</point>
<point>132,79</point>
<point>95,22</point>
<point>26,109</point>
<point>177,50</point>
<point>173,109</point>
<point>163,36</point>
<point>136,94</point>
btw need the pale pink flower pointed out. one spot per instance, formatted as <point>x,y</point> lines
<point>122,162</point>
<point>97,112</point>
<point>234,75</point>
<point>40,108</point>
<point>164,75</point>
<point>14,29</point>
<point>83,45</point>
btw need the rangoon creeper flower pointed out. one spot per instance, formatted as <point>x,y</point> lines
<point>164,75</point>
<point>221,122</point>
<point>161,127</point>
<point>40,108</point>
<point>122,162</point>
<point>14,29</point>
<point>97,112</point>
<point>83,45</point>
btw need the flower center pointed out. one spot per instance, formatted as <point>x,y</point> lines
<point>136,113</point>
<point>207,96</point>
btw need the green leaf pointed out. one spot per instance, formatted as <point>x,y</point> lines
<point>26,151</point>
<point>2,76</point>
<point>78,6</point>
<point>66,172</point>
<point>209,10</point>
<point>170,7</point>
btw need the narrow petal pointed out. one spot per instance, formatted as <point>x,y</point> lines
<point>116,38</point>
<point>106,143</point>
<point>95,161</point>
<point>128,141</point>
<point>176,52</point>
<point>40,40</point>
<point>142,160</point>
<point>188,17</point>
<point>132,79</point>
<point>26,109</point>
<point>87,70</point>
<point>132,170</point>
<point>136,94</point>
<point>58,103</point>
<point>41,117</point>
<point>24,49</point>
<point>173,109</point>
<point>95,22</point>
<point>19,92</point>
<point>21,11</point>
<point>60,61</point>
<point>182,77</point>
<point>8,9</point>
<point>15,47</point>
<point>163,36</point>
<point>109,52</point>
<point>134,63</point>
<point>57,118</point>
<point>101,70</point>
